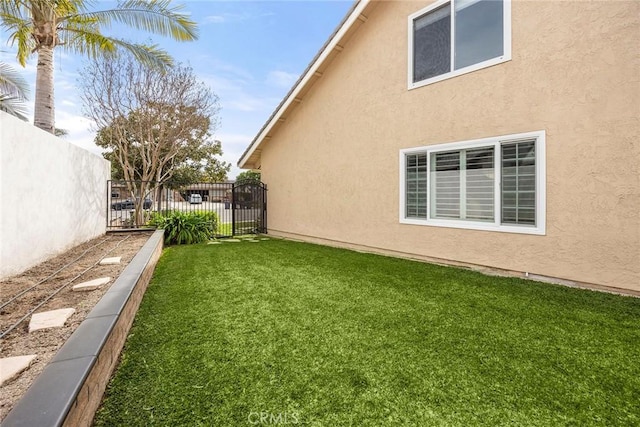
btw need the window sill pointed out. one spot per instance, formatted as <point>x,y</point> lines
<point>456,73</point>
<point>481,226</point>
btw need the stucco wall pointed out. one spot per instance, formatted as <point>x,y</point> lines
<point>52,195</point>
<point>332,167</point>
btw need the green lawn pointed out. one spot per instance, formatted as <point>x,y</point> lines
<point>226,228</point>
<point>279,332</point>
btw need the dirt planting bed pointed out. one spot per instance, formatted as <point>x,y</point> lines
<point>54,280</point>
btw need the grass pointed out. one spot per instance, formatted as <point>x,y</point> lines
<point>280,332</point>
<point>226,228</point>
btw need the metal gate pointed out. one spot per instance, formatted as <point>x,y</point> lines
<point>249,208</point>
<point>240,208</point>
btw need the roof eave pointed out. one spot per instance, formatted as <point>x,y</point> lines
<point>292,97</point>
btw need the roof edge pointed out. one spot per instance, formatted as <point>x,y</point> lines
<point>350,18</point>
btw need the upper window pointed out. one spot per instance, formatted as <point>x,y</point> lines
<point>453,37</point>
<point>488,184</point>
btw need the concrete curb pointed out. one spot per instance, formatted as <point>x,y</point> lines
<point>69,390</point>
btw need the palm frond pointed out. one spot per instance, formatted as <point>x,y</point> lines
<point>11,21</point>
<point>69,7</point>
<point>12,84</point>
<point>25,43</point>
<point>60,132</point>
<point>93,47</point>
<point>85,38</point>
<point>14,106</point>
<point>18,28</point>
<point>150,55</point>
<point>96,45</point>
<point>154,16</point>
<point>12,8</point>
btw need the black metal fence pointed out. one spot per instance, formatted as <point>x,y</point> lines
<point>240,208</point>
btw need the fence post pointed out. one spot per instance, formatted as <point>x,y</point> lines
<point>233,209</point>
<point>264,208</point>
<point>108,204</point>
<point>168,198</point>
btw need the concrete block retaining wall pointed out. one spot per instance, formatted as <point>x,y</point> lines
<point>69,390</point>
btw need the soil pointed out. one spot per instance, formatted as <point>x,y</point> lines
<point>75,266</point>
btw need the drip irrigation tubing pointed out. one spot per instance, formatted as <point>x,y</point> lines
<point>15,325</point>
<point>50,276</point>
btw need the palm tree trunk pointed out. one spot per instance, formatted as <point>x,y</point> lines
<point>44,114</point>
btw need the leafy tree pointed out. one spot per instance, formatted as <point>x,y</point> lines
<point>13,92</point>
<point>250,194</point>
<point>197,161</point>
<point>155,124</point>
<point>40,26</point>
<point>248,176</point>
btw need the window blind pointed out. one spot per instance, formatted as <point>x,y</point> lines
<point>480,188</point>
<point>416,186</point>
<point>445,185</point>
<point>519,183</point>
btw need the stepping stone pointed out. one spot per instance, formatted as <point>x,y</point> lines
<point>265,238</point>
<point>92,284</point>
<point>110,261</point>
<point>11,367</point>
<point>50,319</point>
<point>253,241</point>
<point>214,243</point>
<point>233,240</point>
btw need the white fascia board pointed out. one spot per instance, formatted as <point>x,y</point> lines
<point>353,17</point>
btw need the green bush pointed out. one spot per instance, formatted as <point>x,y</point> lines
<point>182,228</point>
<point>157,219</point>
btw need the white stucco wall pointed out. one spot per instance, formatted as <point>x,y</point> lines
<point>52,195</point>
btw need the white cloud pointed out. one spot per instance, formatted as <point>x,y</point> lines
<point>247,103</point>
<point>220,68</point>
<point>221,84</point>
<point>281,79</point>
<point>233,145</point>
<point>234,17</point>
<point>214,19</point>
<point>234,142</point>
<point>235,94</point>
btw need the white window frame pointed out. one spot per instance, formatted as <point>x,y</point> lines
<point>506,56</point>
<point>539,228</point>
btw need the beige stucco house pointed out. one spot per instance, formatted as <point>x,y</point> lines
<point>499,134</point>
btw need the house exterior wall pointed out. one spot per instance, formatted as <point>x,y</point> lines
<point>333,167</point>
<point>52,195</point>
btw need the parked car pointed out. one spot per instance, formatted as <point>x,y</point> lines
<point>130,204</point>
<point>195,199</point>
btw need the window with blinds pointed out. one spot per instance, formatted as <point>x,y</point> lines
<point>445,185</point>
<point>462,184</point>
<point>480,184</point>
<point>487,184</point>
<point>416,186</point>
<point>519,183</point>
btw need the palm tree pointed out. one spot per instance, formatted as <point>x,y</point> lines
<point>40,26</point>
<point>13,92</point>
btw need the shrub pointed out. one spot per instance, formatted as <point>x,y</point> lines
<point>157,219</point>
<point>185,227</point>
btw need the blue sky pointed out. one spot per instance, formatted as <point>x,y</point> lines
<point>249,52</point>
